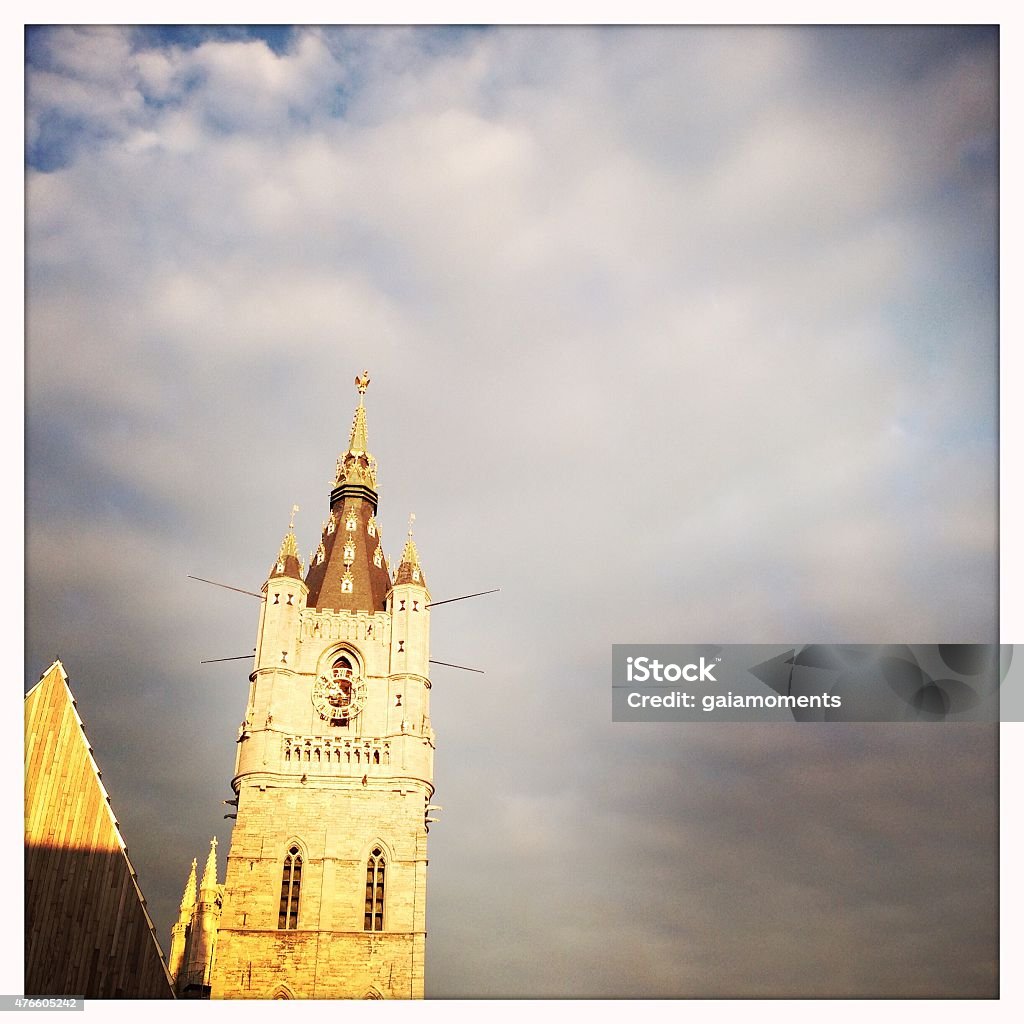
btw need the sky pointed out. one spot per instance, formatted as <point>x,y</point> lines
<point>675,334</point>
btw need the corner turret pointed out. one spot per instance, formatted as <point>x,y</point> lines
<point>182,928</point>
<point>199,918</point>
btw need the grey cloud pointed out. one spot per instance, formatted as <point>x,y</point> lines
<point>675,335</point>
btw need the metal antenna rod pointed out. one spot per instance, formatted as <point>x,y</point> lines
<point>466,597</point>
<point>237,590</point>
<point>240,657</point>
<point>465,668</point>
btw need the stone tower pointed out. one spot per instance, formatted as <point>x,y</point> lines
<point>325,894</point>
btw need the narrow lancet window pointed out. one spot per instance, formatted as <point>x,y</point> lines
<point>373,918</point>
<point>291,881</point>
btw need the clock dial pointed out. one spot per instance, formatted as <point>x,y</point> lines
<point>340,695</point>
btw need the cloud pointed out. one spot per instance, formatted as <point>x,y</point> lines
<point>675,334</point>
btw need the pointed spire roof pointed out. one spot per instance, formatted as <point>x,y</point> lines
<point>409,569</point>
<point>188,899</point>
<point>210,871</point>
<point>348,571</point>
<point>357,443</point>
<point>356,471</point>
<point>288,562</point>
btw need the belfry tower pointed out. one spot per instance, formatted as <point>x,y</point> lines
<point>325,894</point>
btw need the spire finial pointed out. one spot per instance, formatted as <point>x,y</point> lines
<point>412,519</point>
<point>357,438</point>
<point>291,522</point>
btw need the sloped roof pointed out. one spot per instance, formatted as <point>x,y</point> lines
<point>87,930</point>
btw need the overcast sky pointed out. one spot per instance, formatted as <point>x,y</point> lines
<point>675,335</point>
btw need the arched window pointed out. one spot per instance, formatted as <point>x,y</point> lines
<point>373,918</point>
<point>291,881</point>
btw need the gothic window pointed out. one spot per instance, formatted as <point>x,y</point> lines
<point>416,574</point>
<point>346,583</point>
<point>378,557</point>
<point>350,524</point>
<point>320,552</point>
<point>373,918</point>
<point>330,524</point>
<point>371,527</point>
<point>291,880</point>
<point>350,551</point>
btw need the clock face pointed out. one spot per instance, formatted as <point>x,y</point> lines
<point>340,695</point>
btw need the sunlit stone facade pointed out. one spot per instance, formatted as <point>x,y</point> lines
<point>325,893</point>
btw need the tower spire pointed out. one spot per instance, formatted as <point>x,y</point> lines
<point>409,569</point>
<point>188,899</point>
<point>357,444</point>
<point>210,871</point>
<point>357,468</point>
<point>288,562</point>
<point>347,570</point>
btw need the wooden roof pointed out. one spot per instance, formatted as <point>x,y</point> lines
<point>87,931</point>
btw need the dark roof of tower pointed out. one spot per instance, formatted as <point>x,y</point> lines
<point>409,569</point>
<point>348,571</point>
<point>288,562</point>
